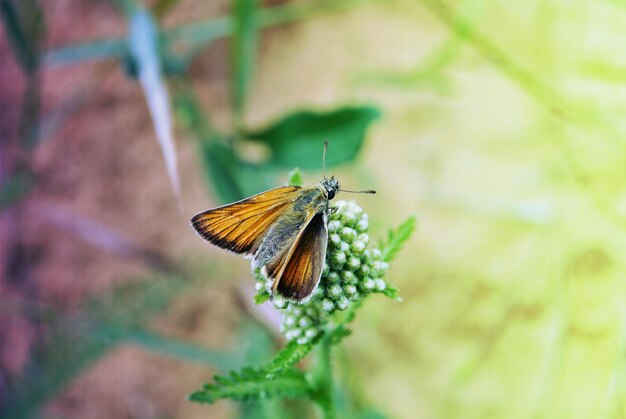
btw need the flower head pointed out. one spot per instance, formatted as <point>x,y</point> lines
<point>351,272</point>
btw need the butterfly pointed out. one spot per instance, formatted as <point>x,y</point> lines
<point>284,230</point>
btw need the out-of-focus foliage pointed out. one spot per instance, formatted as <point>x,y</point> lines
<point>243,53</point>
<point>25,26</point>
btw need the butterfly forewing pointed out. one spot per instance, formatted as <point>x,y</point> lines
<point>240,226</point>
<point>303,268</point>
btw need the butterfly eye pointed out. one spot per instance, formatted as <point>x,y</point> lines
<point>331,194</point>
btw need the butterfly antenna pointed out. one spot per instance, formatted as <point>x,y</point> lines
<point>366,191</point>
<point>324,159</point>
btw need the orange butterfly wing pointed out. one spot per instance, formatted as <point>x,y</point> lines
<point>240,226</point>
<point>303,268</point>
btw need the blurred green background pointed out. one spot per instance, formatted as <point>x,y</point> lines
<point>499,123</point>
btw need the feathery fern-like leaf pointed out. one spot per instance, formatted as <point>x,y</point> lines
<point>290,355</point>
<point>251,384</point>
<point>397,238</point>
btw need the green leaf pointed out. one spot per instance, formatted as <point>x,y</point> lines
<point>261,297</point>
<point>289,356</point>
<point>298,139</point>
<point>295,177</point>
<point>189,113</point>
<point>222,166</point>
<point>392,292</point>
<point>251,384</point>
<point>232,178</point>
<point>338,333</point>
<point>144,48</point>
<point>243,52</point>
<point>257,346</point>
<point>397,238</point>
<point>178,349</point>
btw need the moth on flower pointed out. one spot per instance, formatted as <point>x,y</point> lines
<point>284,231</point>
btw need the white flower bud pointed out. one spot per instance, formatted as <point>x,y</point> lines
<point>354,297</point>
<point>304,322</point>
<point>362,225</point>
<point>348,277</point>
<point>335,291</point>
<point>363,270</point>
<point>357,246</point>
<point>332,277</point>
<point>334,226</point>
<point>279,302</point>
<point>343,303</point>
<point>289,320</point>
<point>340,205</point>
<point>337,259</point>
<point>311,333</point>
<point>379,268</point>
<point>352,263</point>
<point>348,234</point>
<point>293,333</point>
<point>327,305</point>
<point>326,268</point>
<point>368,284</point>
<point>348,218</point>
<point>380,284</point>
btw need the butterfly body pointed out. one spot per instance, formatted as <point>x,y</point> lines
<point>309,201</point>
<point>284,230</point>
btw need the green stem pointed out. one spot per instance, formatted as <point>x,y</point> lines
<point>323,379</point>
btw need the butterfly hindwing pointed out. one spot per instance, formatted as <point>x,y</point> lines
<point>303,267</point>
<point>240,226</point>
<point>278,243</point>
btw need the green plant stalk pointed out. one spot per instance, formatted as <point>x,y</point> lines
<point>323,379</point>
<point>243,55</point>
<point>322,375</point>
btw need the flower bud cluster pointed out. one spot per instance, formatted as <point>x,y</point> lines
<point>351,272</point>
<point>300,322</point>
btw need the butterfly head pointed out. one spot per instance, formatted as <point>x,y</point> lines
<point>331,186</point>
